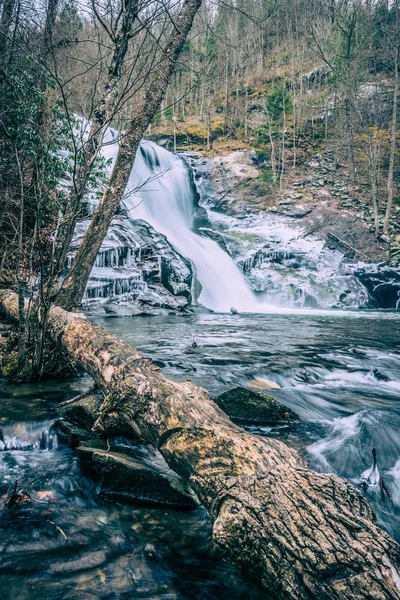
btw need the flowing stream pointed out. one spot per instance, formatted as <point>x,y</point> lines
<point>340,373</point>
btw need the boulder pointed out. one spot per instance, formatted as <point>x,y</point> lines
<point>136,271</point>
<point>382,284</point>
<point>83,411</point>
<point>246,406</point>
<point>234,181</point>
<point>69,434</point>
<point>139,475</point>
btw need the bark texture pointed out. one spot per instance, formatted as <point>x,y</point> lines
<point>301,534</point>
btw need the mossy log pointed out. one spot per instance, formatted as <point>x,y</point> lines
<point>301,534</point>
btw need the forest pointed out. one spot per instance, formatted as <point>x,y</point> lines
<point>231,169</point>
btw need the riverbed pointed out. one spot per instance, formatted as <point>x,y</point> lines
<point>339,371</point>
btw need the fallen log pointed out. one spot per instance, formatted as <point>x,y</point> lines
<point>301,534</point>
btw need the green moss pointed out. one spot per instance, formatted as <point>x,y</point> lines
<point>245,406</point>
<point>10,368</point>
<point>10,364</point>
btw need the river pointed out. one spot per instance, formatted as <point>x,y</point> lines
<point>340,372</point>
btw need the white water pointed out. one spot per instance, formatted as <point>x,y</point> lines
<point>165,200</point>
<point>160,192</point>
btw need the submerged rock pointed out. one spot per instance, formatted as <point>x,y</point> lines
<point>126,470</point>
<point>247,406</point>
<point>139,475</point>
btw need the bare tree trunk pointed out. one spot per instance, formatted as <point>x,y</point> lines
<point>373,170</point>
<point>226,95</point>
<point>393,132</point>
<point>21,283</point>
<point>101,121</point>
<point>374,197</point>
<point>283,166</point>
<point>273,153</point>
<point>74,285</point>
<point>300,534</point>
<point>350,142</point>
<point>5,24</point>
<point>246,103</point>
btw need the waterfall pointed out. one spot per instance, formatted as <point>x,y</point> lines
<point>165,199</point>
<point>271,256</point>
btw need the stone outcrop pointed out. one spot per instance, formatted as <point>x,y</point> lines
<point>382,284</point>
<point>234,179</point>
<point>136,271</point>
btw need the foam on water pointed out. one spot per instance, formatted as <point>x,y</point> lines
<point>28,436</point>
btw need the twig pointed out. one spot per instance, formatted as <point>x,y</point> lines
<point>80,396</point>
<point>345,244</point>
<point>59,529</point>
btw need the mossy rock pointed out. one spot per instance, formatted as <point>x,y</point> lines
<point>84,411</point>
<point>245,406</point>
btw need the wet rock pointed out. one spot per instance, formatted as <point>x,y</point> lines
<point>382,284</point>
<point>84,411</point>
<point>71,435</point>
<point>136,271</point>
<point>138,475</point>
<point>87,561</point>
<point>246,406</point>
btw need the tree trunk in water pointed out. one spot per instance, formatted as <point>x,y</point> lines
<point>301,534</point>
<point>74,285</point>
<point>392,147</point>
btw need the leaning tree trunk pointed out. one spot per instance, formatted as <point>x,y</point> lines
<point>105,112</point>
<point>301,534</point>
<point>74,285</point>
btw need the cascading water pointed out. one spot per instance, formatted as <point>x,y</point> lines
<point>260,263</point>
<point>166,201</point>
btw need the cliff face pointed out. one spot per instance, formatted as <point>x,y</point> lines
<point>316,194</point>
<point>321,249</point>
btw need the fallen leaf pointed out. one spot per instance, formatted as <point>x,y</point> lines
<point>46,495</point>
